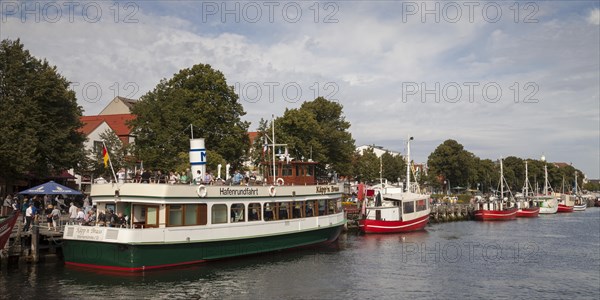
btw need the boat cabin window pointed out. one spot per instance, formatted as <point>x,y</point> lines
<point>286,170</point>
<point>310,208</point>
<point>185,214</point>
<point>284,211</point>
<point>421,205</point>
<point>331,207</point>
<point>174,215</point>
<point>151,216</point>
<point>219,214</point>
<point>237,212</point>
<point>270,210</point>
<point>298,210</point>
<point>408,206</point>
<point>322,207</point>
<point>254,212</point>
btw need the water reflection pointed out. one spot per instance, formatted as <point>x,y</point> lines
<point>546,257</point>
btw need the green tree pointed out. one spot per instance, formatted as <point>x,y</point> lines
<point>198,96</point>
<point>366,166</point>
<point>337,141</point>
<point>317,130</point>
<point>39,116</point>
<point>451,162</point>
<point>591,186</point>
<point>514,172</point>
<point>394,167</point>
<point>485,176</point>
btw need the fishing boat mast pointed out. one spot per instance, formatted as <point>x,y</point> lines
<point>408,163</point>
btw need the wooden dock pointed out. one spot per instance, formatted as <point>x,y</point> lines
<point>36,245</point>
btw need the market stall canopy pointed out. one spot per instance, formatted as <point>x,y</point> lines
<point>50,188</point>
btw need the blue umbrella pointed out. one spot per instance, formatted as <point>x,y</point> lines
<point>50,188</point>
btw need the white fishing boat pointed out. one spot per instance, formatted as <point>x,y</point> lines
<point>547,200</point>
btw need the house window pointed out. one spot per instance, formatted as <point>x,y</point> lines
<point>98,146</point>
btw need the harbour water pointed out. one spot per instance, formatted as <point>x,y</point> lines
<point>550,257</point>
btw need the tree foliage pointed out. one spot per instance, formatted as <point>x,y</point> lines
<point>199,96</point>
<point>317,130</point>
<point>394,167</point>
<point>451,162</point>
<point>366,166</point>
<point>39,116</point>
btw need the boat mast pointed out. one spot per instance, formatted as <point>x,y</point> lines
<point>408,164</point>
<point>545,176</point>
<point>273,152</point>
<point>381,171</point>
<point>526,192</point>
<point>501,181</point>
<point>576,183</point>
<point>545,180</point>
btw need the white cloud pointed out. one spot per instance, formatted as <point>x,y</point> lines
<point>594,17</point>
<point>361,61</point>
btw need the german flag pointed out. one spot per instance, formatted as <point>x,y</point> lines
<point>105,156</point>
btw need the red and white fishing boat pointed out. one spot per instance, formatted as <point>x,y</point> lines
<point>495,209</point>
<point>393,210</point>
<point>529,212</point>
<point>526,205</point>
<point>566,204</point>
<point>6,227</point>
<point>562,208</point>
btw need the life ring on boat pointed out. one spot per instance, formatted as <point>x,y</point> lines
<point>272,191</point>
<point>201,191</point>
<point>280,181</point>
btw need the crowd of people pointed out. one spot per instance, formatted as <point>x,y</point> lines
<point>185,177</point>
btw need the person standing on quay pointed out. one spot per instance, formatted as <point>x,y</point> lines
<point>7,206</point>
<point>55,214</point>
<point>72,213</point>
<point>48,213</point>
<point>29,215</point>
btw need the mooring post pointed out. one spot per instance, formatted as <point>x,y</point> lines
<point>35,234</point>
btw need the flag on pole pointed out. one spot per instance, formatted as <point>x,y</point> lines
<point>265,147</point>
<point>105,156</point>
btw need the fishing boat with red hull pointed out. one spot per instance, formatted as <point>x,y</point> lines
<point>496,209</point>
<point>395,210</point>
<point>526,205</point>
<point>500,214</point>
<point>6,227</point>
<point>399,212</point>
<point>180,224</point>
<point>563,208</point>
<point>529,212</point>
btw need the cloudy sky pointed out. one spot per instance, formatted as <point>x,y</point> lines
<point>501,78</point>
